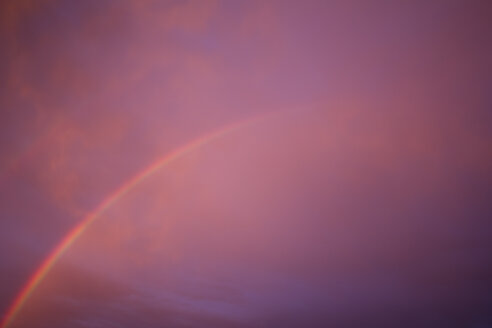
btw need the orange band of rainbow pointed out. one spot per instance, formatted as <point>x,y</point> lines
<point>76,232</point>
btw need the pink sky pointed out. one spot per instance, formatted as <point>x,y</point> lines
<point>362,199</point>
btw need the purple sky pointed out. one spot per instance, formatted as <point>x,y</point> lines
<point>364,201</point>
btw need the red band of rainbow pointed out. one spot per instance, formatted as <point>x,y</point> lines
<point>76,232</point>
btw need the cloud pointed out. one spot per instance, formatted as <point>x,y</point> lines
<point>363,200</point>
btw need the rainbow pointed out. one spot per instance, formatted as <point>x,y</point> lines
<point>45,267</point>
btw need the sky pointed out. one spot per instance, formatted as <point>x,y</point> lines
<point>315,163</point>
